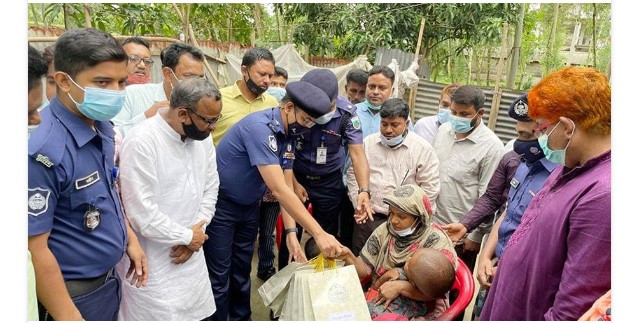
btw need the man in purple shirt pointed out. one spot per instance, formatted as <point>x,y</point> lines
<point>558,261</point>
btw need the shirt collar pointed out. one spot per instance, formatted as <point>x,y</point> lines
<point>79,130</point>
<point>165,127</point>
<point>474,136</point>
<point>235,92</point>
<point>548,165</point>
<point>276,114</point>
<point>364,108</point>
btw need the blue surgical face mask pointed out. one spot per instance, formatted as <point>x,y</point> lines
<point>443,115</point>
<point>460,124</point>
<point>555,156</point>
<point>371,106</point>
<point>325,118</point>
<point>277,92</point>
<point>99,104</point>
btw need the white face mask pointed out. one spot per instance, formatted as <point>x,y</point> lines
<point>408,231</point>
<point>325,118</point>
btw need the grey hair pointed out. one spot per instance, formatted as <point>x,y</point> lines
<point>187,93</point>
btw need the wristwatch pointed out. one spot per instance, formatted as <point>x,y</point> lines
<point>360,190</point>
<point>290,230</point>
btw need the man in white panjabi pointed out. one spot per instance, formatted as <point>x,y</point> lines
<point>169,185</point>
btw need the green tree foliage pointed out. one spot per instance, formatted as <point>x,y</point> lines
<point>348,30</point>
<point>210,21</point>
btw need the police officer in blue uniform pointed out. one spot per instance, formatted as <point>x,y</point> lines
<point>77,231</point>
<point>256,152</point>
<point>320,156</point>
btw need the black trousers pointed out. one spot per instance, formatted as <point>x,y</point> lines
<point>325,193</point>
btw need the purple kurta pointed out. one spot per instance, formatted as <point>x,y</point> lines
<point>558,261</point>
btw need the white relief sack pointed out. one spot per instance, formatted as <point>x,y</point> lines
<point>337,295</point>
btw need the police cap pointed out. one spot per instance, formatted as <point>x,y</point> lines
<point>519,109</point>
<point>324,79</point>
<point>309,98</point>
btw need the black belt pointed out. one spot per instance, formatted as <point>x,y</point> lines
<point>319,177</point>
<point>83,286</point>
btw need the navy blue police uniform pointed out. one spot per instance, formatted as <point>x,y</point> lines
<point>258,139</point>
<point>322,176</point>
<point>71,194</point>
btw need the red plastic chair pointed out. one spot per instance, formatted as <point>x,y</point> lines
<point>464,286</point>
<point>279,226</point>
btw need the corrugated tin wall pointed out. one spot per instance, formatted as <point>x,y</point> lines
<point>428,93</point>
<point>385,55</point>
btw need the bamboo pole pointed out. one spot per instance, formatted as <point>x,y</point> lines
<point>497,92</point>
<point>196,44</point>
<point>412,90</point>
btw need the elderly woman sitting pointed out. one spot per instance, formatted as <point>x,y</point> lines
<point>385,253</point>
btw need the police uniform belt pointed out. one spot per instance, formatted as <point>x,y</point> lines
<point>83,286</point>
<point>319,177</point>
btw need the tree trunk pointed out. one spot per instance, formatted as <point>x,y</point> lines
<point>257,20</point>
<point>67,14</point>
<point>516,50</point>
<point>469,67</point>
<point>229,23</point>
<point>489,66</point>
<point>551,50</point>
<point>87,15</point>
<point>479,59</point>
<point>281,25</point>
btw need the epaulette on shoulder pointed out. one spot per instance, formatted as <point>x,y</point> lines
<point>47,145</point>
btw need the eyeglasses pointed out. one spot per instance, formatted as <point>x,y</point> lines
<point>542,129</point>
<point>210,122</point>
<point>308,123</point>
<point>136,60</point>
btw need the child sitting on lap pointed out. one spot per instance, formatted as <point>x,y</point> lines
<point>431,274</point>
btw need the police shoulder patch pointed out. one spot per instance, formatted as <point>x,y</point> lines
<point>272,143</point>
<point>38,202</point>
<point>356,123</point>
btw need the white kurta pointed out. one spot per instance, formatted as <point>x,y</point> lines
<point>167,187</point>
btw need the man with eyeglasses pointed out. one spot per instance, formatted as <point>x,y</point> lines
<point>139,60</point>
<point>179,62</point>
<point>521,173</point>
<point>258,151</point>
<point>169,185</point>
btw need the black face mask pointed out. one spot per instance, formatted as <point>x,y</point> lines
<point>529,150</point>
<point>193,133</point>
<point>295,129</point>
<point>253,87</point>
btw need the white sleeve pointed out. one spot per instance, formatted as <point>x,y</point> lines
<point>208,204</point>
